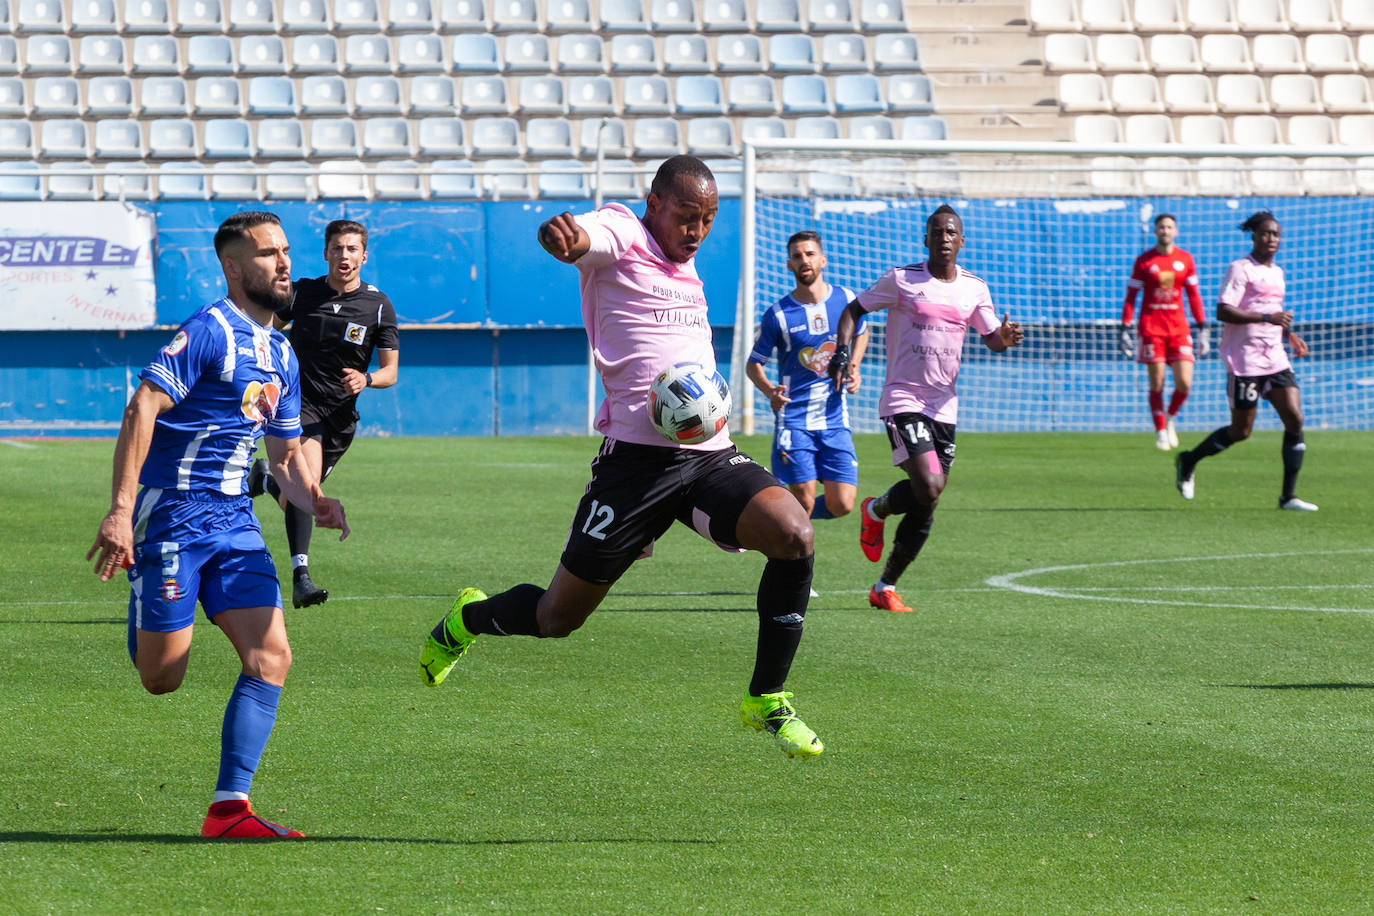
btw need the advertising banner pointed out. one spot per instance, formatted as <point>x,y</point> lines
<point>76,266</point>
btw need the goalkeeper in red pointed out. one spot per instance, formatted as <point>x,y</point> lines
<point>931,305</point>
<point>1162,274</point>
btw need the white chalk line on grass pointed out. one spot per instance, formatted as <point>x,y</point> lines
<point>15,443</point>
<point>1010,581</point>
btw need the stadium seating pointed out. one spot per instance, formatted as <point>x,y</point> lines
<point>549,137</point>
<point>110,96</point>
<point>228,138</point>
<point>686,54</point>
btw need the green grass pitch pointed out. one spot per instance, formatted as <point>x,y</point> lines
<point>1109,700</point>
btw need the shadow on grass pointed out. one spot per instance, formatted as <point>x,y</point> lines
<point>1331,686</point>
<point>177,839</point>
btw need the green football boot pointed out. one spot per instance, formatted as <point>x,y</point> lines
<point>448,641</point>
<point>772,712</point>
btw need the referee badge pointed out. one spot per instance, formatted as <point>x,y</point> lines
<point>355,333</point>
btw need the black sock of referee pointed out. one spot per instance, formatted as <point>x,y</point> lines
<point>910,538</point>
<point>1218,442</point>
<point>898,500</point>
<point>511,613</point>
<point>784,589</point>
<point>1293,450</point>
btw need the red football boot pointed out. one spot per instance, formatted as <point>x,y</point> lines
<point>235,820</point>
<point>871,533</point>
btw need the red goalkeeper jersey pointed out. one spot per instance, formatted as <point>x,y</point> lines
<point>1163,277</point>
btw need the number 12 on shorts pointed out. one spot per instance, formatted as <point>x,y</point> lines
<point>599,515</point>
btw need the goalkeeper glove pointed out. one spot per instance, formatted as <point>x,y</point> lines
<point>839,364</point>
<point>1202,346</point>
<point>1126,343</point>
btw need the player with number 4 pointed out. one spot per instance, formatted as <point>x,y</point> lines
<point>930,306</point>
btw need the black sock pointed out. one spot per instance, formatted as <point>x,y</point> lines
<point>784,589</point>
<point>1218,442</point>
<point>898,500</point>
<point>910,538</point>
<point>299,526</point>
<point>269,486</point>
<point>1293,450</point>
<point>511,613</point>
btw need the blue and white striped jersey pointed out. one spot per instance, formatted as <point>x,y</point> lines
<point>804,336</point>
<point>230,380</point>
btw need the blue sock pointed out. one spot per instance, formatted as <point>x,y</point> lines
<point>819,509</point>
<point>248,721</point>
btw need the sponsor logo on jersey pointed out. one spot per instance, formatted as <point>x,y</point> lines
<point>260,401</point>
<point>1178,266</point>
<point>797,330</point>
<point>336,306</point>
<point>741,459</point>
<point>177,345</point>
<point>817,359</point>
<point>355,333</point>
<point>247,351</point>
<point>263,353</point>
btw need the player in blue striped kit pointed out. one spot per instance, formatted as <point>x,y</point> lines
<point>226,380</point>
<point>811,439</point>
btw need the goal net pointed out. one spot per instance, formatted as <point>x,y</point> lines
<point>1054,230</point>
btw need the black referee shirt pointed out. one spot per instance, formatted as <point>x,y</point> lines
<point>333,331</point>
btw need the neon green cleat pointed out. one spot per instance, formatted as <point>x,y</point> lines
<point>448,641</point>
<point>772,712</point>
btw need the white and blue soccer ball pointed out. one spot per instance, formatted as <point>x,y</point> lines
<point>689,403</point>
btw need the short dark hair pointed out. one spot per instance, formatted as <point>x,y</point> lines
<point>236,228</point>
<point>676,167</point>
<point>1254,220</point>
<point>806,235</point>
<point>1166,216</point>
<point>943,208</point>
<point>344,227</point>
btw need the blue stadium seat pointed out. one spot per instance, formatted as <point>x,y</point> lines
<point>127,181</point>
<point>38,16</point>
<point>792,54</point>
<point>100,16</point>
<point>700,95</point>
<point>634,54</point>
<point>817,127</point>
<point>172,138</point>
<point>924,127</point>
<point>462,16</point>
<point>591,95</point>
<point>227,138</point>
<point>623,16</point>
<point>483,95</point>
<point>726,16</point>
<point>305,17</point>
<point>515,16</point>
<point>182,181</point>
<point>233,181</point>
<point>805,94</point>
<point>872,127</point>
<point>199,16</point>
<point>528,52</point>
<point>410,16</point>
<point>419,54</point>
<point>777,16</point>
<point>20,180</point>
<point>209,54</point>
<point>896,51</point>
<point>387,137</point>
<point>315,54</point>
<point>217,96</point>
<point>49,54</point>
<point>357,16</point>
<point>324,95</point>
<point>147,16</point>
<point>581,54</point>
<point>711,137</point>
<point>856,93</point>
<point>156,54</point>
<point>281,138</point>
<point>118,139</point>
<point>569,16</point>
<point>367,54</point>
<point>453,178</point>
<point>911,92</point>
<point>9,54</point>
<point>110,96</point>
<point>881,15</point>
<point>752,94</point>
<point>656,137</point>
<point>541,95</point>
<point>289,181</point>
<point>333,137</point>
<point>13,98</point>
<point>16,138</point>
<point>400,180</point>
<point>441,137</point>
<point>378,95</point>
<point>729,176</point>
<point>252,16</point>
<point>607,134</point>
<point>831,16</point>
<point>433,94</point>
<point>505,178</point>
<point>495,137</point>
<point>739,53</point>
<point>5,23</point>
<point>673,16</point>
<point>763,129</point>
<point>476,53</point>
<point>686,54</point>
<point>549,137</point>
<point>64,138</point>
<point>843,52</point>
<point>563,179</point>
<point>57,95</point>
<point>75,182</point>
<point>262,54</point>
<point>618,181</point>
<point>647,95</point>
<point>100,54</point>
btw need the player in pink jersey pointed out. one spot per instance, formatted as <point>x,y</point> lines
<point>643,307</point>
<point>1255,326</point>
<point>930,306</point>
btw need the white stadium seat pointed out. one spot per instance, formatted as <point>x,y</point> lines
<point>549,137</point>
<point>100,54</point>
<point>725,16</point>
<point>817,127</point>
<point>432,95</point>
<point>1148,130</point>
<point>1211,16</point>
<point>1054,16</point>
<point>872,127</point>
<point>1255,130</point>
<point>147,16</point>
<point>13,99</point>
<point>155,54</point>
<point>357,16</point>
<point>569,16</point>
<point>739,53</point>
<point>672,16</point>
<point>410,16</point>
<point>1278,54</point>
<point>881,15</point>
<point>1294,93</point>
<point>1241,93</point>
<point>1188,93</point>
<point>441,137</point>
<point>831,16</point>
<point>324,95</point>
<point>686,54</point>
<point>1356,130</point>
<point>253,16</point>
<point>118,139</point>
<point>1136,93</point>
<point>387,137</point>
<point>1358,15</point>
<point>64,138</point>
<point>1311,130</point>
<point>1203,130</point>
<point>172,138</point>
<point>333,137</point>
<point>1330,52</point>
<point>711,137</point>
<point>1083,92</point>
<point>528,52</point>
<point>1225,54</point>
<point>514,15</point>
<point>1120,53</point>
<point>110,96</point>
<point>378,95</point>
<point>897,51</point>
<point>541,95</point>
<point>1261,16</point>
<point>591,95</point>
<point>634,54</point>
<point>419,53</point>
<point>1096,129</point>
<point>927,127</point>
<point>1160,16</point>
<point>100,16</point>
<point>777,16</point>
<point>281,138</point>
<point>1347,93</point>
<point>262,54</point>
<point>483,95</point>
<point>581,54</point>
<point>1106,15</point>
<point>289,181</point>
<point>1175,54</point>
<point>607,135</point>
<point>199,16</point>
<point>1314,16</point>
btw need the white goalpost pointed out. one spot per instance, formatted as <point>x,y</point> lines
<point>1054,229</point>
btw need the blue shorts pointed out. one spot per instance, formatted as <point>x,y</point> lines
<point>192,547</point>
<point>800,455</point>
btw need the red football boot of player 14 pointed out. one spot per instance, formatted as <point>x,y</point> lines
<point>235,820</point>
<point>887,599</point>
<point>871,533</point>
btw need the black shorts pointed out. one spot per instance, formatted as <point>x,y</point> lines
<point>334,432</point>
<point>915,434</point>
<point>1243,392</point>
<point>637,491</point>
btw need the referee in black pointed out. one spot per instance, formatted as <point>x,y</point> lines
<point>336,322</point>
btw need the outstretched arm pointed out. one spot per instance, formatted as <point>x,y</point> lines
<point>563,238</point>
<point>114,539</point>
<point>298,484</point>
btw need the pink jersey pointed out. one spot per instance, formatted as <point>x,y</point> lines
<point>926,321</point>
<point>643,313</point>
<point>1253,349</point>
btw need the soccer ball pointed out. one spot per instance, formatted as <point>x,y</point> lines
<point>689,403</point>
